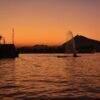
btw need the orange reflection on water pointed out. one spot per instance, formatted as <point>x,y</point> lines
<point>46,76</point>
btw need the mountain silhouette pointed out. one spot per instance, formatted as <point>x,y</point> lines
<point>83,45</point>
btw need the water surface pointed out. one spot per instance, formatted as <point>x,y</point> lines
<point>44,76</point>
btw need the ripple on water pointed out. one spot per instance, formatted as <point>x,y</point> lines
<point>36,77</point>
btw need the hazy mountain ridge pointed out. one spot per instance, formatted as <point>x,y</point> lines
<point>83,45</point>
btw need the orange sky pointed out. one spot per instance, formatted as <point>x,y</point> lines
<point>47,21</point>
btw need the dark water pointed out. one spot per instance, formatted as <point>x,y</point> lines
<point>46,77</point>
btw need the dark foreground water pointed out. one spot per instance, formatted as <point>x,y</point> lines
<point>46,77</point>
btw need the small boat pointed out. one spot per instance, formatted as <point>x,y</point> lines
<point>73,45</point>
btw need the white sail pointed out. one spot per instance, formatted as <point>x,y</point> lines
<point>72,43</point>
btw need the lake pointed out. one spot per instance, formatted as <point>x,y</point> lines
<point>46,77</point>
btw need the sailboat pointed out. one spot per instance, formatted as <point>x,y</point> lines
<point>73,46</point>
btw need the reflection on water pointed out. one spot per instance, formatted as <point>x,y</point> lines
<point>46,77</point>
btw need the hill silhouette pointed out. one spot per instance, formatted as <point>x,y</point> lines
<point>83,45</point>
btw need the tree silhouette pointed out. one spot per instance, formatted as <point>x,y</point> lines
<point>2,38</point>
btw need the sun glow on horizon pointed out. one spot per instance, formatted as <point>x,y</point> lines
<point>47,21</point>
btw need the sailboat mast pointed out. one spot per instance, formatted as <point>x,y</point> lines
<point>13,36</point>
<point>74,47</point>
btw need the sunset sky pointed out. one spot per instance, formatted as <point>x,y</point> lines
<point>47,21</point>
